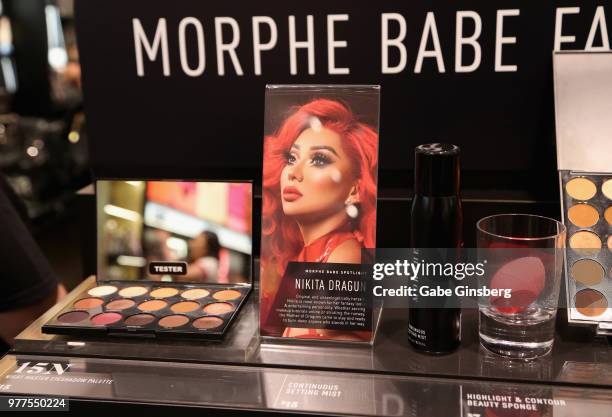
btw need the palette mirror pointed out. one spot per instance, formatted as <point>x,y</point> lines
<point>174,231</point>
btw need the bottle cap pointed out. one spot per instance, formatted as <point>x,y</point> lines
<point>436,169</point>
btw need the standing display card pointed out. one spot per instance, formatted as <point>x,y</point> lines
<point>319,212</point>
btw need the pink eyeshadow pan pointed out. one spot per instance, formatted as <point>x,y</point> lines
<point>106,318</point>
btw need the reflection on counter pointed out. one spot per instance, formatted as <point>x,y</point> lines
<point>493,365</point>
<point>585,372</point>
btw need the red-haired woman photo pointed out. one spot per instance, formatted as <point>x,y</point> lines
<point>319,192</point>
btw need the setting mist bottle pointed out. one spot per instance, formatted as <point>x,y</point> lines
<point>435,236</point>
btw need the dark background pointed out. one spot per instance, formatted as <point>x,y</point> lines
<point>212,126</point>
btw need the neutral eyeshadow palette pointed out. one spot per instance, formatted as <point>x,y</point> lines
<point>583,105</point>
<point>128,308</point>
<point>174,259</point>
<point>587,213</point>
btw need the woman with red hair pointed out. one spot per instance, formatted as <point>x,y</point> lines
<point>319,192</point>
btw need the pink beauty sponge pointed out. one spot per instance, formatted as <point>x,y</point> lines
<point>524,277</point>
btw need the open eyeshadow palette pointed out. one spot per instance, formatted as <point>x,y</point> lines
<point>174,259</point>
<point>120,308</point>
<point>587,213</point>
<point>583,97</point>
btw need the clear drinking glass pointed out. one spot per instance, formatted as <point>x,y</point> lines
<point>523,254</point>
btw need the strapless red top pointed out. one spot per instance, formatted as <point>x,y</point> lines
<point>324,246</point>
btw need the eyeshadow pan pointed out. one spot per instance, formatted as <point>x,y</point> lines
<point>164,292</point>
<point>106,318</point>
<point>102,290</point>
<point>581,188</point>
<point>608,215</point>
<point>88,303</point>
<point>184,306</point>
<point>195,293</point>
<point>218,308</point>
<point>73,317</point>
<point>130,292</point>
<point>585,240</point>
<point>587,272</point>
<point>583,215</point>
<point>606,189</point>
<point>173,321</point>
<point>206,323</point>
<point>120,304</point>
<point>152,305</point>
<point>591,303</point>
<point>225,295</point>
<point>610,242</point>
<point>139,319</point>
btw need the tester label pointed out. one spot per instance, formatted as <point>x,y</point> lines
<point>168,268</point>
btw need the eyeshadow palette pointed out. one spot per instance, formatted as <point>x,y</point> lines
<point>587,213</point>
<point>174,259</point>
<point>120,308</point>
<point>583,105</point>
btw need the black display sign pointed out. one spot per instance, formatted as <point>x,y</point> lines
<point>176,89</point>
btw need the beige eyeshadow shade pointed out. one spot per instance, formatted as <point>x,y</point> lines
<point>606,189</point>
<point>225,295</point>
<point>184,306</point>
<point>88,303</point>
<point>587,272</point>
<point>102,290</point>
<point>610,242</point>
<point>130,292</point>
<point>585,240</point>
<point>195,294</point>
<point>120,304</point>
<point>173,321</point>
<point>581,188</point>
<point>608,215</point>
<point>164,292</point>
<point>218,308</point>
<point>583,215</point>
<point>206,323</point>
<point>591,303</point>
<point>152,305</point>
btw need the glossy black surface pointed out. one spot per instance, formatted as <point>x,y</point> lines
<point>578,358</point>
<point>132,385</point>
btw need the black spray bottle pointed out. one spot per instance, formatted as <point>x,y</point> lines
<point>436,223</point>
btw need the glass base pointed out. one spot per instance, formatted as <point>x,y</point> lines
<point>516,350</point>
<point>518,336</point>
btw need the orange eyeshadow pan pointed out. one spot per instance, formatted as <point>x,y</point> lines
<point>88,303</point>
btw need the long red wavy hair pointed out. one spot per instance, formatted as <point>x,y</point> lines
<point>281,238</point>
